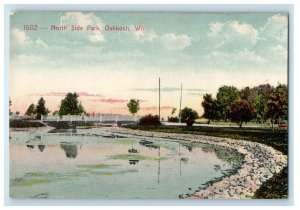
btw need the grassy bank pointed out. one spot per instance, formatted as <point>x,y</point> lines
<point>25,124</point>
<point>274,188</point>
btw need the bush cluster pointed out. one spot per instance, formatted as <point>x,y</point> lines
<point>173,119</point>
<point>150,120</point>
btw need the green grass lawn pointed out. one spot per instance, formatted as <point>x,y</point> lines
<point>25,124</point>
<point>222,123</point>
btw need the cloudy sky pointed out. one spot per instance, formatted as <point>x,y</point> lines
<point>106,68</point>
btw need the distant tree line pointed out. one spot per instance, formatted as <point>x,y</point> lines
<point>69,105</point>
<point>259,103</point>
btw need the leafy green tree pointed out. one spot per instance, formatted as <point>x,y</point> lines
<point>188,116</point>
<point>245,93</point>
<point>241,111</point>
<point>41,109</point>
<point>31,110</point>
<point>259,97</point>
<point>133,106</point>
<point>278,103</point>
<point>210,107</point>
<point>225,96</point>
<point>70,105</point>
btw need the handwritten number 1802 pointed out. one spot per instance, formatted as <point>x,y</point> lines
<point>30,27</point>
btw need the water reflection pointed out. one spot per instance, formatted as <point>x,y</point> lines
<point>217,167</point>
<point>148,144</point>
<point>184,160</point>
<point>35,136</point>
<point>208,148</point>
<point>189,146</point>
<point>227,155</point>
<point>151,145</point>
<point>132,150</point>
<point>179,154</point>
<point>70,150</point>
<point>133,162</point>
<point>41,147</point>
<point>29,146</point>
<point>144,142</point>
<point>158,168</point>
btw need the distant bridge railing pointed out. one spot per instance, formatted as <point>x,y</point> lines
<point>84,118</point>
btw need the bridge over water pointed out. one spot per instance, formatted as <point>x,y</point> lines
<point>115,119</point>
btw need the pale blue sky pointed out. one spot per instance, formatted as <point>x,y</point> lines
<point>201,50</point>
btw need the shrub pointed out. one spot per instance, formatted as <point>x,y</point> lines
<point>173,119</point>
<point>188,116</point>
<point>149,120</point>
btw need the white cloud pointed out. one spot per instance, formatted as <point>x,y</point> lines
<point>20,39</point>
<point>170,41</point>
<point>175,42</point>
<point>84,19</point>
<point>233,35</point>
<point>237,60</point>
<point>79,18</point>
<point>96,37</point>
<point>250,56</point>
<point>280,50</point>
<point>215,28</point>
<point>41,43</point>
<point>275,29</point>
<point>145,36</point>
<point>242,32</point>
<point>20,36</point>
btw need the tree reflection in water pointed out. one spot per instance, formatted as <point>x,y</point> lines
<point>29,146</point>
<point>132,150</point>
<point>229,155</point>
<point>148,144</point>
<point>189,146</point>
<point>41,147</point>
<point>133,162</point>
<point>226,154</point>
<point>70,150</point>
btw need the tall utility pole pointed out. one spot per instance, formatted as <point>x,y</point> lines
<point>159,98</point>
<point>180,103</point>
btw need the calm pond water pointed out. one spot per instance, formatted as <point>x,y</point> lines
<point>93,164</point>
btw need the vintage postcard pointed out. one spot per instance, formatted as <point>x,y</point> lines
<point>148,105</point>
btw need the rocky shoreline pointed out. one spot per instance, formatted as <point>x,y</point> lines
<point>260,163</point>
